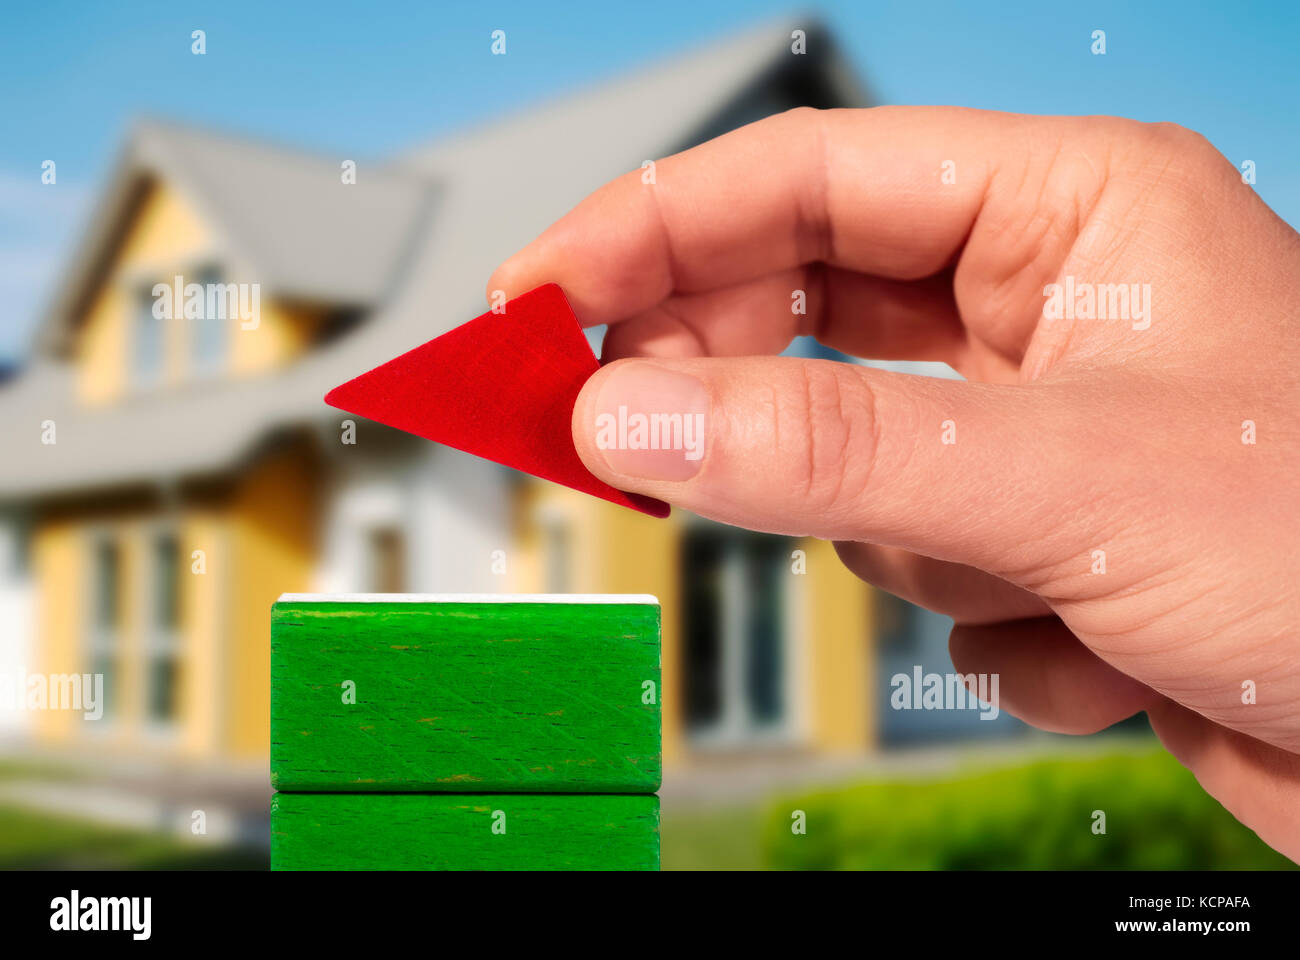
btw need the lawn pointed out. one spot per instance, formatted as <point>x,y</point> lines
<point>38,841</point>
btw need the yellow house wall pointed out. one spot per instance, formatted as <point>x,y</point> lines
<point>166,231</point>
<point>61,581</point>
<point>283,332</point>
<point>203,621</point>
<point>836,623</point>
<point>272,538</point>
<point>103,348</point>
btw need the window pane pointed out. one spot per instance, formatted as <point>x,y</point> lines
<point>166,582</point>
<point>764,684</point>
<point>148,345</point>
<point>105,589</point>
<point>105,665</point>
<point>210,334</point>
<point>163,675</point>
<point>702,633</point>
<point>106,586</point>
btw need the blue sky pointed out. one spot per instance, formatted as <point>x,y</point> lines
<point>371,78</point>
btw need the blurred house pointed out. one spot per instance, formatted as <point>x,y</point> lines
<point>165,480</point>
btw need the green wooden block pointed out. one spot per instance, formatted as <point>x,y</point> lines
<point>447,831</point>
<point>475,693</point>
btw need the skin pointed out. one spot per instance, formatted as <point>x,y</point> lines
<point>1071,435</point>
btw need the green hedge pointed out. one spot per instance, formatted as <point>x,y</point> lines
<point>1038,816</point>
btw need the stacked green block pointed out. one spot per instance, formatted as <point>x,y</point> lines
<point>452,732</point>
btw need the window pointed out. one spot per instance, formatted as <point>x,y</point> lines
<point>897,624</point>
<point>162,674</point>
<point>735,635</point>
<point>15,547</point>
<point>210,333</point>
<point>105,627</point>
<point>147,341</point>
<point>386,560</point>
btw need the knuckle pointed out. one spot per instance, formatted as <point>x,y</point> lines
<point>796,125</point>
<point>800,116</point>
<point>1179,150</point>
<point>829,428</point>
<point>1176,137</point>
<point>1185,174</point>
<point>1137,148</point>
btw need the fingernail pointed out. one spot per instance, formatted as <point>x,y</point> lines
<point>651,422</point>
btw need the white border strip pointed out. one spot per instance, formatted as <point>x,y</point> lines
<point>468,598</point>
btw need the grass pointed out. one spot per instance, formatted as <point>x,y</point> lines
<point>24,769</point>
<point>714,840</point>
<point>39,841</point>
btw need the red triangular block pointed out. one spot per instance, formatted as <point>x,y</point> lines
<point>501,386</point>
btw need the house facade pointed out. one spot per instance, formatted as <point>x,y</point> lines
<point>169,477</point>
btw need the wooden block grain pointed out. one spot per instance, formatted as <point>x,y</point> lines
<point>465,694</point>
<point>368,831</point>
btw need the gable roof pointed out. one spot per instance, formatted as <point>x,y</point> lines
<point>285,216</point>
<point>496,188</point>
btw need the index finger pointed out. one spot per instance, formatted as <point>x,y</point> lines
<point>859,189</point>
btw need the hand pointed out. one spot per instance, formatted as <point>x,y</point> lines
<point>1108,508</point>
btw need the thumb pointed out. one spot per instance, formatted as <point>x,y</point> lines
<point>977,473</point>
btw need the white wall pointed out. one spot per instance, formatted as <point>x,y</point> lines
<point>17,624</point>
<point>453,510</point>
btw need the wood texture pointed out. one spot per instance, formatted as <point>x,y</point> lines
<point>332,831</point>
<point>465,697</point>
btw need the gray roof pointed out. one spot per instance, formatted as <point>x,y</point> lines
<point>284,215</point>
<point>414,241</point>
